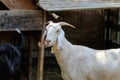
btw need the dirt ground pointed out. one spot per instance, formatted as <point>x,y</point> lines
<point>52,74</point>
<point>51,69</point>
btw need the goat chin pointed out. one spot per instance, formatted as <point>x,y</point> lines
<point>49,44</point>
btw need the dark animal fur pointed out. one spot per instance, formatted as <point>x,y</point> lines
<point>10,59</point>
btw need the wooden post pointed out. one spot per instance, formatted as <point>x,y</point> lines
<point>41,55</point>
<point>40,64</point>
<point>30,55</point>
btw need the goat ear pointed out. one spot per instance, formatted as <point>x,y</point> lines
<point>60,37</point>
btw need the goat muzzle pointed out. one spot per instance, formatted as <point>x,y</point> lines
<point>40,44</point>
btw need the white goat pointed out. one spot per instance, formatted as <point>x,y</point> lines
<point>79,62</point>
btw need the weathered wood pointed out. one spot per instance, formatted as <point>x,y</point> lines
<point>30,55</point>
<point>119,18</point>
<point>41,56</point>
<point>23,19</point>
<point>19,4</point>
<point>62,5</point>
<point>89,27</point>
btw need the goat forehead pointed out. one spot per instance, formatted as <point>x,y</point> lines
<point>55,25</point>
<point>52,28</point>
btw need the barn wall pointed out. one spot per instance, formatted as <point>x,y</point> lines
<point>11,37</point>
<point>89,29</point>
<point>89,32</point>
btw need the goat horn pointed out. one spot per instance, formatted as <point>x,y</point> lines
<point>40,44</point>
<point>66,24</point>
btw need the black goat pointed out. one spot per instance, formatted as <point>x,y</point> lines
<point>10,58</point>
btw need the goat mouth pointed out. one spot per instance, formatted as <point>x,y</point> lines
<point>49,44</point>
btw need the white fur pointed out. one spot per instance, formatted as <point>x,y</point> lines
<point>61,35</point>
<point>18,30</point>
<point>82,63</point>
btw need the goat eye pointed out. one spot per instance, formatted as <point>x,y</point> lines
<point>57,31</point>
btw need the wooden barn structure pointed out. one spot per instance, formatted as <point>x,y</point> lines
<point>97,22</point>
<point>23,14</point>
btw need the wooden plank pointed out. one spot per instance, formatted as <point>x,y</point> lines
<point>23,19</point>
<point>40,64</point>
<point>30,54</point>
<point>19,4</point>
<point>119,17</point>
<point>41,55</point>
<point>63,5</point>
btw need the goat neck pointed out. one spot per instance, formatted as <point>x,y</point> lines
<point>62,42</point>
<point>59,48</point>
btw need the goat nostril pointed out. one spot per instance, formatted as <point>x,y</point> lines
<point>48,41</point>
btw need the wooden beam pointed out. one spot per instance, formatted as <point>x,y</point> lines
<point>41,56</point>
<point>30,54</point>
<point>64,5</point>
<point>22,19</point>
<point>19,4</point>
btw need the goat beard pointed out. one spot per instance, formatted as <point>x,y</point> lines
<point>41,43</point>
